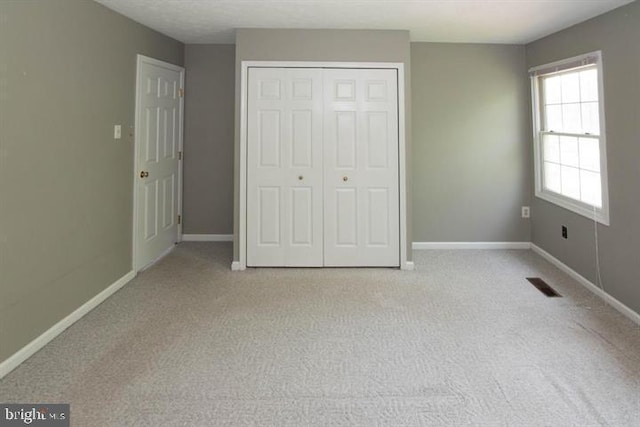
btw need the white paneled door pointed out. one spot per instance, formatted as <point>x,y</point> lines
<point>158,144</point>
<point>284,175</point>
<point>361,195</point>
<point>322,167</point>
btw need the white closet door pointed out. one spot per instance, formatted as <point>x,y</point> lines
<point>284,167</point>
<point>361,195</point>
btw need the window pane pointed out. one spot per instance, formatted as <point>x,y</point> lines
<point>570,182</point>
<point>589,85</point>
<point>553,118</point>
<point>552,177</point>
<point>571,118</point>
<point>590,118</point>
<point>590,188</point>
<point>551,148</point>
<point>569,154</point>
<point>552,90</point>
<point>590,154</point>
<point>570,87</point>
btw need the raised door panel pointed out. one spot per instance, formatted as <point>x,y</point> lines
<point>377,139</point>
<point>150,212</point>
<point>269,138</point>
<point>345,140</point>
<point>151,135</point>
<point>169,132</point>
<point>269,216</point>
<point>302,217</point>
<point>168,202</point>
<point>378,232</point>
<point>346,217</point>
<point>302,143</point>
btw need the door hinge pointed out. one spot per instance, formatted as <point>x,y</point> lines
<point>181,93</point>
<point>179,219</point>
<point>179,155</point>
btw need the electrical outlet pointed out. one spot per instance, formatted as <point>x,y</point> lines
<point>565,234</point>
<point>117,132</point>
<point>526,212</point>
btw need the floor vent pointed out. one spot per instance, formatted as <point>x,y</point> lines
<point>543,287</point>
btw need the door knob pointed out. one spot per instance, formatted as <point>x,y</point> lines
<point>144,174</point>
<point>345,178</point>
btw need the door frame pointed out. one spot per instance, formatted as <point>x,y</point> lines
<point>140,59</point>
<point>241,263</point>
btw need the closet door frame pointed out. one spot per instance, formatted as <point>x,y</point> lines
<point>241,263</point>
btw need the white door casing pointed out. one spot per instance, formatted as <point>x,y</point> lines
<point>158,168</point>
<point>239,262</point>
<point>322,167</point>
<point>361,193</point>
<point>284,177</point>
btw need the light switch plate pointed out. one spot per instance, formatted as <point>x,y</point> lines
<point>117,132</point>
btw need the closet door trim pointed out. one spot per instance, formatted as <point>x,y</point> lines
<point>241,242</point>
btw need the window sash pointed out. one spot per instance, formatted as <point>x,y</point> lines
<point>582,171</point>
<point>543,105</point>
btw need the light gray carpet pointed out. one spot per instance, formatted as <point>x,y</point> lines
<point>463,340</point>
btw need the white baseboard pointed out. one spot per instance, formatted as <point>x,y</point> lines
<point>587,284</point>
<point>408,266</point>
<point>207,237</point>
<point>471,245</point>
<point>28,350</point>
<point>235,266</point>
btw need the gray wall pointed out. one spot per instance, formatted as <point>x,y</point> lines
<point>617,34</point>
<point>323,45</point>
<point>471,142</point>
<point>67,75</point>
<point>208,139</point>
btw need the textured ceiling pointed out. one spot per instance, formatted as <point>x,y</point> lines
<point>470,21</point>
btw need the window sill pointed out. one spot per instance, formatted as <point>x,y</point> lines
<point>601,215</point>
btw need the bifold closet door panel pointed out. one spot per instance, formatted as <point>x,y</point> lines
<point>361,187</point>
<point>284,167</point>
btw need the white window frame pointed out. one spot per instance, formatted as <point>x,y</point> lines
<point>601,214</point>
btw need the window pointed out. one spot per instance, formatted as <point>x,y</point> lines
<point>568,117</point>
